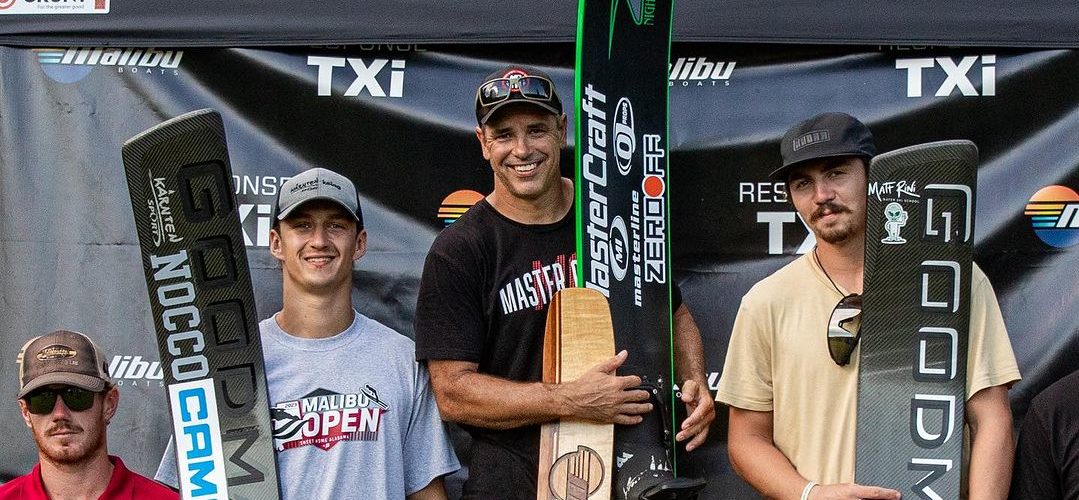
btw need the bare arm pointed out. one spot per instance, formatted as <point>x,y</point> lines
<point>466,396</point>
<point>689,365</point>
<point>992,448</point>
<point>436,490</point>
<point>756,459</point>
<point>688,349</point>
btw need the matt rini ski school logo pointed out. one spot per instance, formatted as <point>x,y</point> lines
<point>324,418</point>
<point>895,215</point>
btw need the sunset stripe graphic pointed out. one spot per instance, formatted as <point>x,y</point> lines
<point>1054,215</point>
<point>456,204</point>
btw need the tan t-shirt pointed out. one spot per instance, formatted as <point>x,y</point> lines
<point>778,361</point>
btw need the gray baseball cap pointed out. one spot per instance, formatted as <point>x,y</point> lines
<point>318,184</point>
<point>62,357</point>
<point>825,135</point>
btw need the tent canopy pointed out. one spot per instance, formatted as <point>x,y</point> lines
<point>1001,23</point>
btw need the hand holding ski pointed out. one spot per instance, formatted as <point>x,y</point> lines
<point>701,409</point>
<point>599,395</point>
<point>575,456</point>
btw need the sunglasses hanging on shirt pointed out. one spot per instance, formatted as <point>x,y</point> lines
<point>845,328</point>
<point>845,323</point>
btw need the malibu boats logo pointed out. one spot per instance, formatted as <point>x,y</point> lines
<point>73,64</point>
<point>135,371</point>
<point>162,224</point>
<point>700,72</point>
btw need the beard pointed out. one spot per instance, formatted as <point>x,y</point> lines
<point>836,236</point>
<point>840,231</point>
<point>78,449</point>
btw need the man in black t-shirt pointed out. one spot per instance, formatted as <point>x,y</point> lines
<point>1047,455</point>
<point>483,302</point>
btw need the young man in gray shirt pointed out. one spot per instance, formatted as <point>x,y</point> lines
<point>353,413</point>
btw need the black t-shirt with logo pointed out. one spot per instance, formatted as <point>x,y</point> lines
<point>483,299</point>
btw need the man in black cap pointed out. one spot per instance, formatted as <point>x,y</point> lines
<point>483,301</point>
<point>793,402</point>
<point>67,400</point>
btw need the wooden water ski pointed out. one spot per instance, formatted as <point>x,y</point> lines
<point>575,457</point>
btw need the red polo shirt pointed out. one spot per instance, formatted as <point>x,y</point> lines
<point>124,485</point>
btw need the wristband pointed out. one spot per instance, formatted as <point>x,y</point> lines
<point>807,489</point>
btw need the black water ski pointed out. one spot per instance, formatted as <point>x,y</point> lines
<point>911,387</point>
<point>623,50</point>
<point>203,307</point>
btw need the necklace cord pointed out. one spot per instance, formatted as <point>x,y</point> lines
<point>826,275</point>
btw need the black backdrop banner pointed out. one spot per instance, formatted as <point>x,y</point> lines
<point>399,121</point>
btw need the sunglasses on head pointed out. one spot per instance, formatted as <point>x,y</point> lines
<point>529,87</point>
<point>845,328</point>
<point>42,401</point>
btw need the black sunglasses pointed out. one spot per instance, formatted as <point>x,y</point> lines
<point>845,328</point>
<point>529,87</point>
<point>42,401</point>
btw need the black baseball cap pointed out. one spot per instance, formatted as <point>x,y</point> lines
<point>516,84</point>
<point>825,135</point>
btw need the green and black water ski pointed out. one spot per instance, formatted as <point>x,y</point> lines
<point>623,52</point>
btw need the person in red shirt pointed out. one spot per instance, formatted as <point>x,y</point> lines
<point>67,401</point>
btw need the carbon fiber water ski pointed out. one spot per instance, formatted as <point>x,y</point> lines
<point>623,50</point>
<point>911,386</point>
<point>203,307</point>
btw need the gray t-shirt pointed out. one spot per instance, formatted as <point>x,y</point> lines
<point>353,415</point>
